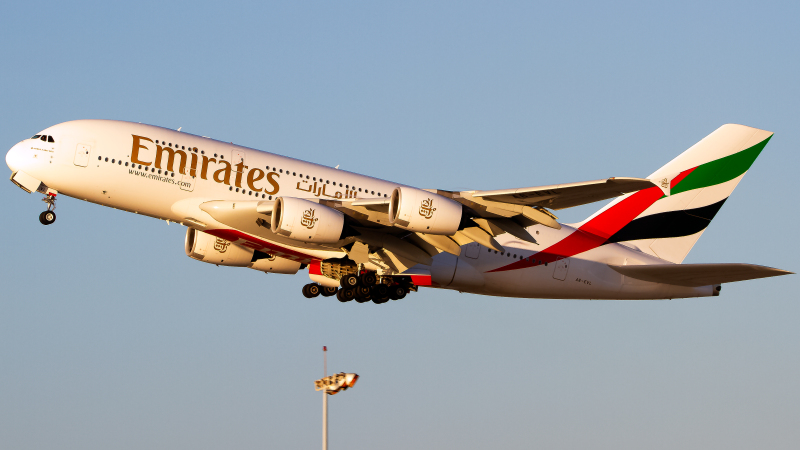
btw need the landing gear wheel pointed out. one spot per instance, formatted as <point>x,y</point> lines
<point>328,291</point>
<point>368,279</point>
<point>397,292</point>
<point>380,294</point>
<point>311,290</point>
<point>345,295</point>
<point>349,281</point>
<point>363,291</point>
<point>47,217</point>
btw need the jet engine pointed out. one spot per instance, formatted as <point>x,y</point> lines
<point>213,250</point>
<point>306,221</point>
<point>417,210</point>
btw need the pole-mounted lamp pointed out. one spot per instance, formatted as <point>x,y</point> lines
<point>331,385</point>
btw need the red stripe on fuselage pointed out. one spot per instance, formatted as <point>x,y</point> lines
<point>595,232</point>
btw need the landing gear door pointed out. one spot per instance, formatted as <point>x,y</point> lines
<point>562,267</point>
<point>82,152</point>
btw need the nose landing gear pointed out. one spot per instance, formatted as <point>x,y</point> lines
<point>49,216</point>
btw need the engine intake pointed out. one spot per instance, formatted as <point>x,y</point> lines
<point>306,221</point>
<point>417,210</point>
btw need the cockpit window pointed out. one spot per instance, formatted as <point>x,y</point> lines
<point>50,139</point>
<point>37,136</point>
<point>44,138</point>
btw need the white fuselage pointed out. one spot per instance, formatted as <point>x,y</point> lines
<point>95,160</point>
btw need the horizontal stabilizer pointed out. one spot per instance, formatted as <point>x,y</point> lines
<point>695,275</point>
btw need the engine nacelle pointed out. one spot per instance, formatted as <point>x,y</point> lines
<point>424,212</point>
<point>276,264</point>
<point>213,250</point>
<point>306,221</point>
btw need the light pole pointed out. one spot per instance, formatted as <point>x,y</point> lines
<point>330,385</point>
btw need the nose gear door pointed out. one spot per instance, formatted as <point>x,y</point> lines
<point>82,152</point>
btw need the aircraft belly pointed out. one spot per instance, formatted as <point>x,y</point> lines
<point>443,269</point>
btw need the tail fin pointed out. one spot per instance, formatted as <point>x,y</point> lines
<point>667,220</point>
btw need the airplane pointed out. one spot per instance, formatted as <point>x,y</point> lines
<point>366,239</point>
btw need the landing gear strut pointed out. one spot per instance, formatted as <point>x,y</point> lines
<point>49,216</point>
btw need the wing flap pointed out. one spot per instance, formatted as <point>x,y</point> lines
<point>567,195</point>
<point>695,275</point>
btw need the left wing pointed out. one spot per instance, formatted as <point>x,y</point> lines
<point>567,195</point>
<point>365,221</point>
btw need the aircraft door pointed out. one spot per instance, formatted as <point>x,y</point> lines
<point>562,267</point>
<point>82,152</point>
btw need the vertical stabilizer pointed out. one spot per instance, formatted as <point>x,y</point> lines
<point>669,219</point>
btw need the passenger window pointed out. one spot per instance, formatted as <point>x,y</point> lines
<point>50,139</point>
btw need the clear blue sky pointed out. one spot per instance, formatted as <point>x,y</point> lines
<point>110,337</point>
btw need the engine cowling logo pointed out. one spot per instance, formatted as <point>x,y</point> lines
<point>221,245</point>
<point>308,220</point>
<point>426,208</point>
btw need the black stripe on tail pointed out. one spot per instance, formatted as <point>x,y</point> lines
<point>668,224</point>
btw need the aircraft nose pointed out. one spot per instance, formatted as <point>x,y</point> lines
<point>14,158</point>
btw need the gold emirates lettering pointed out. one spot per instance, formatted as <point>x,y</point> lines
<point>221,175</point>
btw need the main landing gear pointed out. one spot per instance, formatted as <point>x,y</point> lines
<point>49,216</point>
<point>361,288</point>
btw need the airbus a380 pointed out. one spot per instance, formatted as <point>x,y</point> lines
<point>369,239</point>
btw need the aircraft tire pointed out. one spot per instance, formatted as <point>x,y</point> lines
<point>363,291</point>
<point>311,290</point>
<point>47,217</point>
<point>363,294</point>
<point>349,281</point>
<point>368,279</point>
<point>380,293</point>
<point>345,295</point>
<point>328,291</point>
<point>397,292</point>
